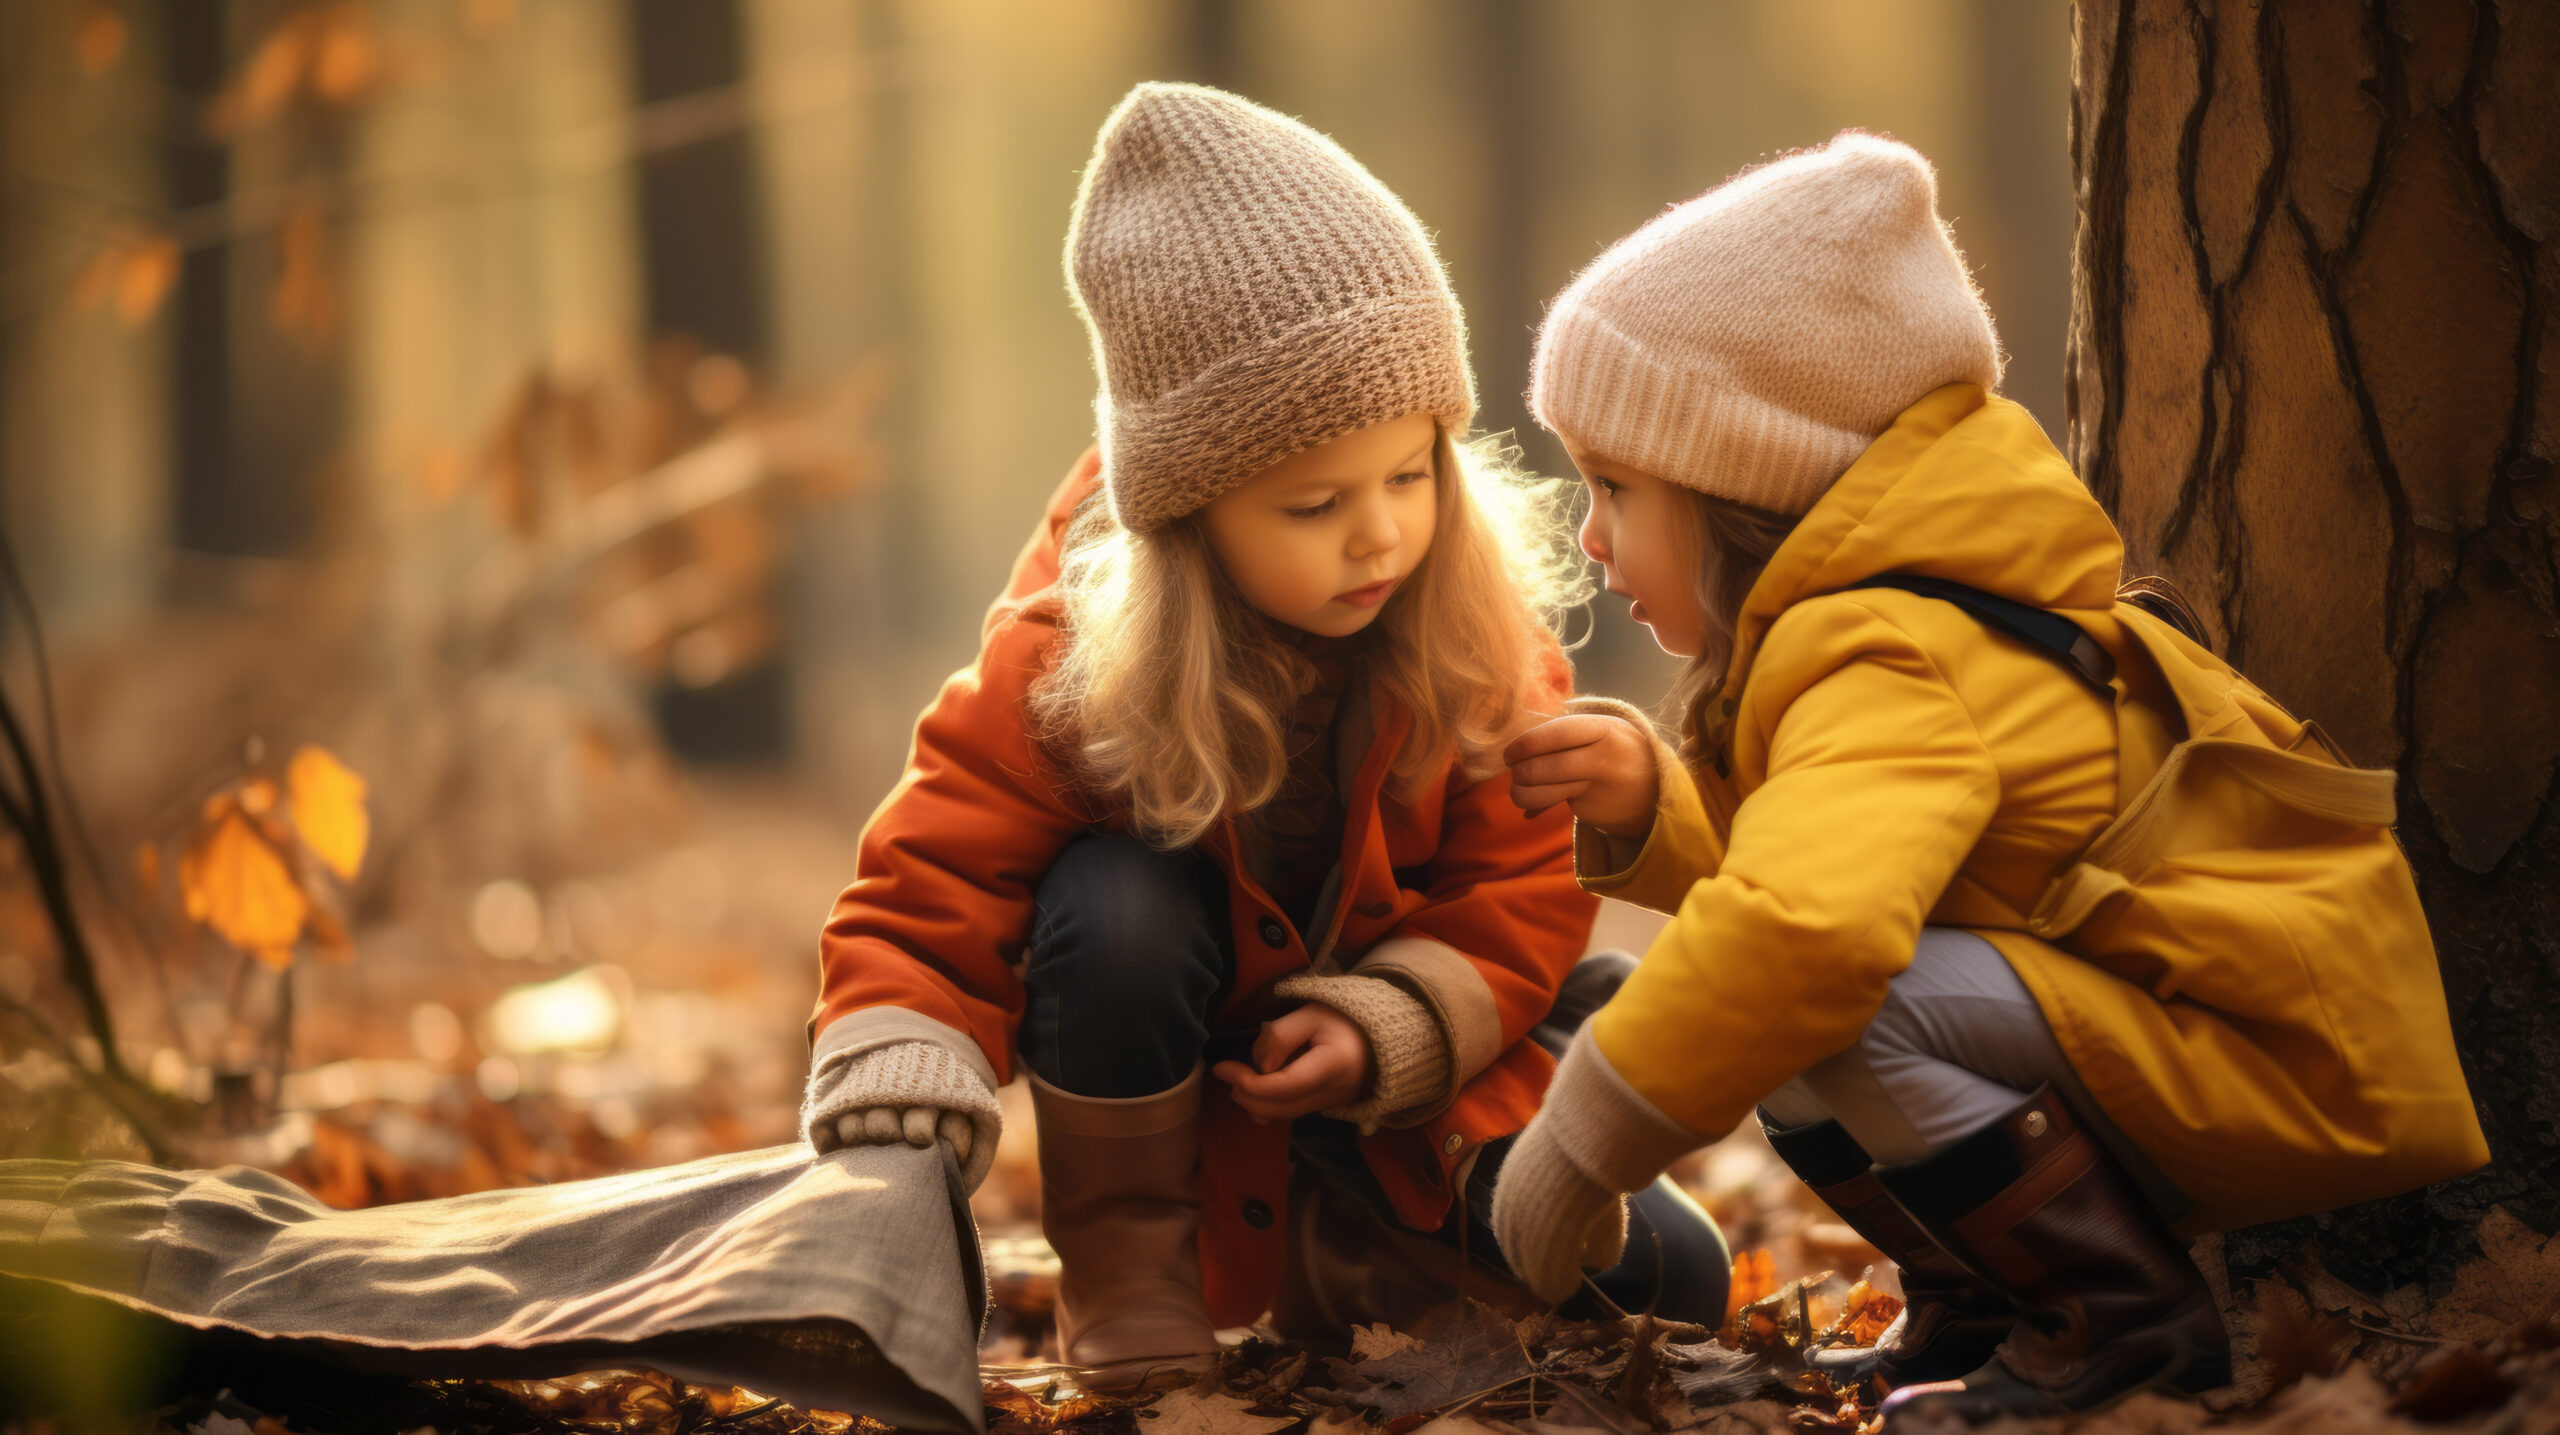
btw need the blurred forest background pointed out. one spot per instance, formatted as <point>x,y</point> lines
<point>499,478</point>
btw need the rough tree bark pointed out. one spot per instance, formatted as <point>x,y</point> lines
<point>2314,372</point>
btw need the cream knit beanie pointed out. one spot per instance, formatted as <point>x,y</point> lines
<point>1252,292</point>
<point>1752,342</point>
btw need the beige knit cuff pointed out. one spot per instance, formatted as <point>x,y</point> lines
<point>1405,1041</point>
<point>899,1062</point>
<point>1604,1127</point>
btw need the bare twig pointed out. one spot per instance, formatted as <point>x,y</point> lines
<point>83,843</point>
<point>30,811</point>
<point>31,815</point>
<point>2410,1336</point>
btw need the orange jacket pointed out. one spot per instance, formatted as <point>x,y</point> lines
<point>1472,906</point>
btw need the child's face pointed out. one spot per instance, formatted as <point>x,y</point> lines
<point>1634,532</point>
<point>1322,539</point>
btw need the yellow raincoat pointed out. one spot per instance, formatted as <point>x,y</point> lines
<point>2263,1015</point>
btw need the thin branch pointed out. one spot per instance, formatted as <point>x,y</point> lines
<point>74,822</point>
<point>2408,1335</point>
<point>32,817</point>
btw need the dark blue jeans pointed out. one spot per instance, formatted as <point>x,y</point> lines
<point>1128,962</point>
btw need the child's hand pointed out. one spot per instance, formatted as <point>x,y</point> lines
<point>1599,764</point>
<point>1312,1059</point>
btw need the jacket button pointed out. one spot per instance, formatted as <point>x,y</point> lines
<point>1454,1142</point>
<point>1273,934</point>
<point>1256,1214</point>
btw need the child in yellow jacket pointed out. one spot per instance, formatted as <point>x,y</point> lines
<point>2032,931</point>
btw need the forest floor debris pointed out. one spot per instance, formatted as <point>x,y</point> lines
<point>2309,1361</point>
<point>409,1084</point>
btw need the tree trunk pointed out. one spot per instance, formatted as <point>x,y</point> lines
<point>2314,373</point>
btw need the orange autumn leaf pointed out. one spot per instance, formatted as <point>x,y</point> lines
<point>328,809</point>
<point>1865,1312</point>
<point>237,883</point>
<point>1755,1277</point>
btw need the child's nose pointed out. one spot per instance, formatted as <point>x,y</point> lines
<point>1378,531</point>
<point>1593,538</point>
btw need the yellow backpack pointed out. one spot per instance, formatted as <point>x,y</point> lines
<point>2253,886</point>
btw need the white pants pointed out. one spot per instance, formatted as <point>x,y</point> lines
<point>1958,1043</point>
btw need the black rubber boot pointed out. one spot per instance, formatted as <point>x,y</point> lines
<point>2109,1302</point>
<point>1952,1319</point>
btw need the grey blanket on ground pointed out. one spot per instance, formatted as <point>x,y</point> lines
<point>849,1281</point>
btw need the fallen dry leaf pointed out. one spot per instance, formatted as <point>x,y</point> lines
<point>1200,1410</point>
<point>1376,1342</point>
<point>1461,1350</point>
<point>1865,1312</point>
<point>2351,1404</point>
<point>1712,1374</point>
<point>1752,1417</point>
<point>237,883</point>
<point>1755,1277</point>
<point>2456,1381</point>
<point>2293,1342</point>
<point>1013,1410</point>
<point>2515,1278</point>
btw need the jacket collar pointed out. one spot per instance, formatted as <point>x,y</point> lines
<point>1965,486</point>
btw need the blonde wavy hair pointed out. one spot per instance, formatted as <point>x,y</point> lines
<point>1171,694</point>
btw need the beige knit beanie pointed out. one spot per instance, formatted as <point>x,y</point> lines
<point>1752,342</point>
<point>1252,292</point>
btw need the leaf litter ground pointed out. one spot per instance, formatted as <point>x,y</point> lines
<point>2313,1356</point>
<point>708,1064</point>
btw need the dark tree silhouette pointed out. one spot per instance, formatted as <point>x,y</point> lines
<point>2314,373</point>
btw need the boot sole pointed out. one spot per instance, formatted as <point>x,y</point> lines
<point>2190,1372</point>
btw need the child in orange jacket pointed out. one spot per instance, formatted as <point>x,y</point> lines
<point>1224,779</point>
<point>2028,926</point>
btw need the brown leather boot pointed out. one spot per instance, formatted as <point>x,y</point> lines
<point>1952,1320</point>
<point>2110,1302</point>
<point>1120,1203</point>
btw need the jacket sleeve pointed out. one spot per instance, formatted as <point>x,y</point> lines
<point>941,901</point>
<point>1506,920</point>
<point>940,905</point>
<point>1878,787</point>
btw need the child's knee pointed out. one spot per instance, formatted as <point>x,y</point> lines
<point>1117,917</point>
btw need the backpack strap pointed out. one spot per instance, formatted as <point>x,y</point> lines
<point>2051,634</point>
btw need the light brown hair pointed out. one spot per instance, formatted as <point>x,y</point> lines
<point>1733,543</point>
<point>1171,694</point>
